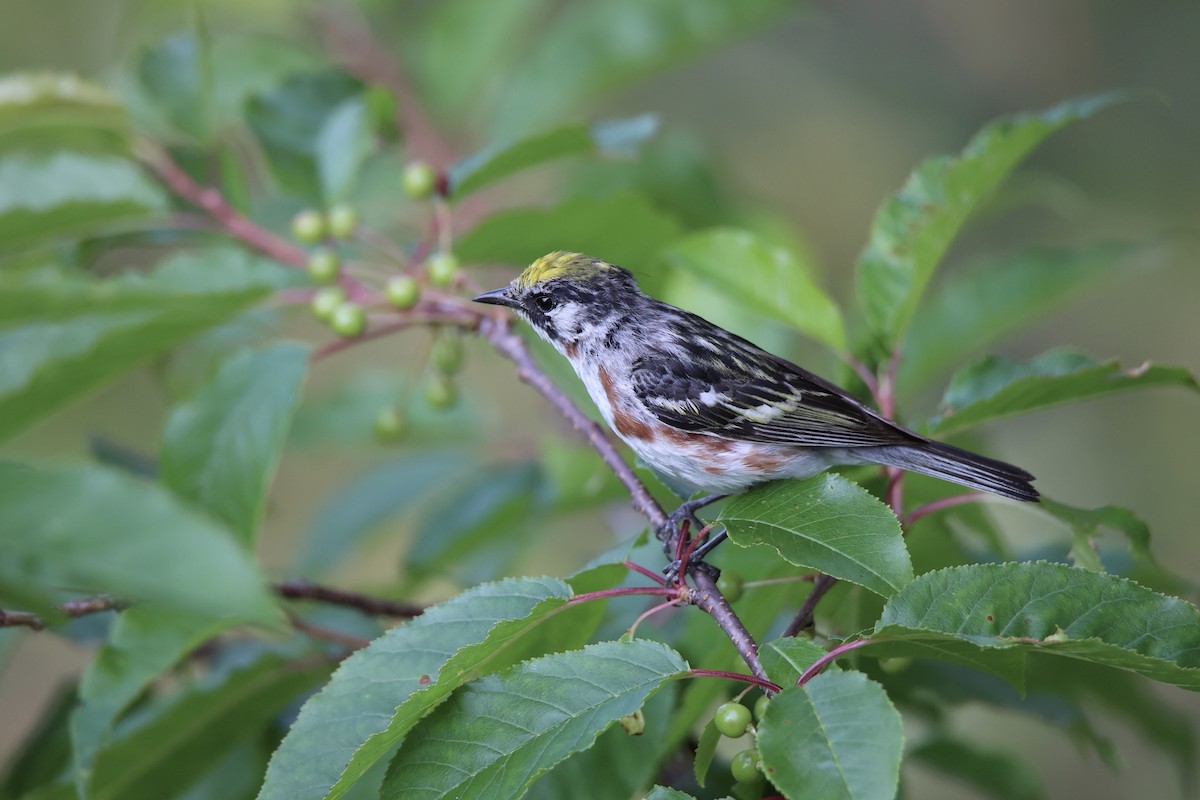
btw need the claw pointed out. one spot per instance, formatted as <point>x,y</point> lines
<point>671,531</point>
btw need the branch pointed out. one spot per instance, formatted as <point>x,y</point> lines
<point>347,640</point>
<point>497,331</point>
<point>832,655</point>
<point>946,502</point>
<point>211,201</point>
<point>71,608</point>
<point>804,617</point>
<point>300,589</point>
<point>295,589</point>
<point>709,599</point>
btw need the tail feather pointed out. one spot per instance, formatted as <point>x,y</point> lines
<point>957,466</point>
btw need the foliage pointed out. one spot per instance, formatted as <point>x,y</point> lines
<point>511,685</point>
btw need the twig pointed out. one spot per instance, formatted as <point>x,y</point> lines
<point>946,502</point>
<point>71,608</point>
<point>349,40</point>
<point>804,617</point>
<point>211,201</point>
<point>710,600</point>
<point>418,316</point>
<point>346,640</point>
<point>638,568</point>
<point>832,655</point>
<point>300,589</point>
<point>774,688</point>
<point>627,591</point>
<point>497,331</point>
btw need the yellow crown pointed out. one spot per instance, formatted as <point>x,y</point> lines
<point>560,264</point>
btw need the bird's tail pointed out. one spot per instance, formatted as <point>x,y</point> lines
<point>958,466</point>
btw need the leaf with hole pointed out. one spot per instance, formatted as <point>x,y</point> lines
<point>380,692</point>
<point>1050,609</point>
<point>503,731</point>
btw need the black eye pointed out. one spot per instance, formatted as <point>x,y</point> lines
<point>544,302</point>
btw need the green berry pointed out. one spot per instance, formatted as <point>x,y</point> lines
<point>389,424</point>
<point>447,353</point>
<point>324,266</point>
<point>440,392</point>
<point>732,720</point>
<point>745,766</point>
<point>443,268</point>
<point>730,585</point>
<point>403,292</point>
<point>419,179</point>
<point>342,220</point>
<point>308,226</point>
<point>760,707</point>
<point>348,320</point>
<point>327,300</point>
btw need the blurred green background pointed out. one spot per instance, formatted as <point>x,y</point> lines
<point>814,120</point>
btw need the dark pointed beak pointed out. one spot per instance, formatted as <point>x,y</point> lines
<point>497,297</point>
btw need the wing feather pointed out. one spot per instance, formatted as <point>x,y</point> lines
<point>739,391</point>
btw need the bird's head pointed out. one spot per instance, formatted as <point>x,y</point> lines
<point>568,297</point>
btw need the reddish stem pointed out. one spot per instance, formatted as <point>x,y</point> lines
<point>625,591</point>
<point>804,617</point>
<point>774,688</point>
<point>945,502</point>
<point>828,658</point>
<point>638,568</point>
<point>211,201</point>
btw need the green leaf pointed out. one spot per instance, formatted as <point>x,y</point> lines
<point>344,417</point>
<point>144,641</point>
<point>1088,521</point>
<point>622,228</point>
<point>503,731</point>
<point>589,49</point>
<point>620,765</point>
<point>667,793</point>
<point>461,46</point>
<point>763,276</point>
<point>289,121</point>
<point>175,76</point>
<point>706,749</point>
<point>163,748</point>
<point>381,691</point>
<point>991,773</point>
<point>998,296</point>
<point>824,523</point>
<point>498,161</point>
<point>837,736</point>
<point>124,537</point>
<point>342,146</point>
<point>487,510</point>
<point>1051,609</point>
<point>370,498</point>
<point>41,110</point>
<point>63,338</point>
<point>996,387</point>
<point>786,659</point>
<point>220,449</point>
<point>64,194</point>
<point>914,228</point>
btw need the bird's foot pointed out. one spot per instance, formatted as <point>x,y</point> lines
<point>671,532</point>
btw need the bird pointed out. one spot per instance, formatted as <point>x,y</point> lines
<point>709,409</point>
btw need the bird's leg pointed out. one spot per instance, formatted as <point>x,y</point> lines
<point>671,530</point>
